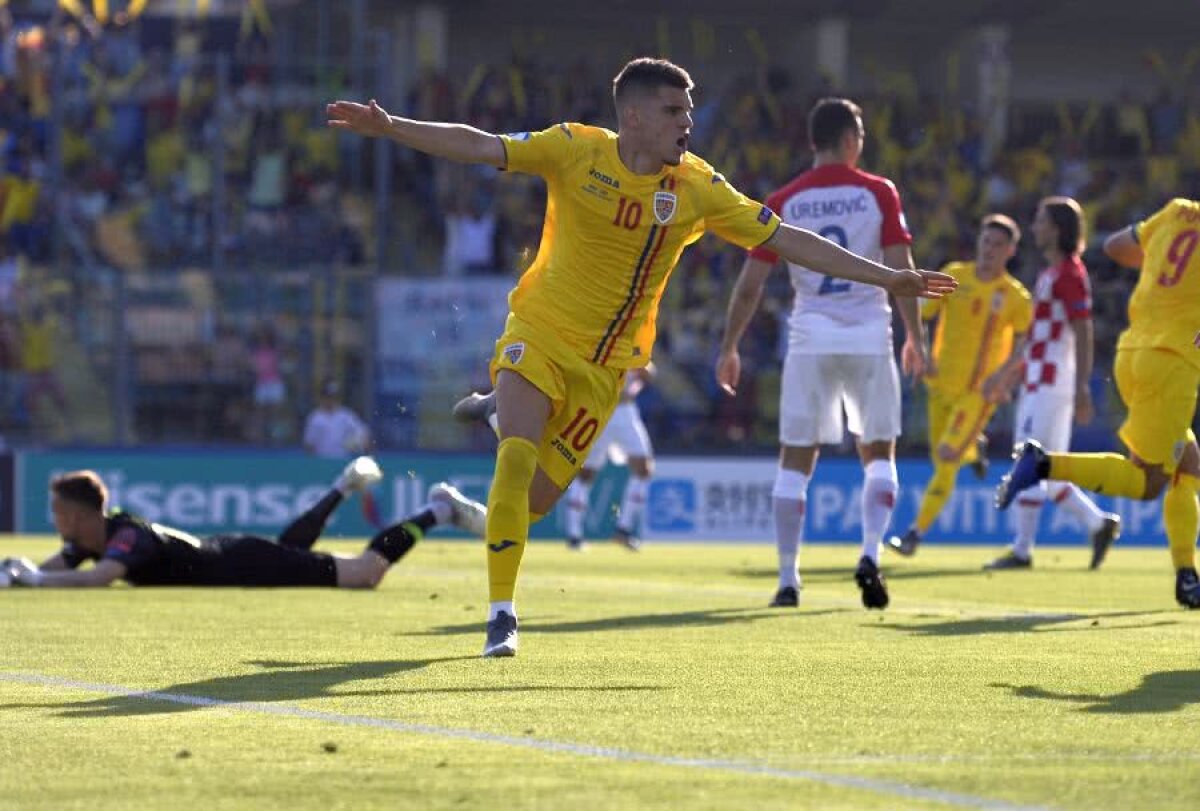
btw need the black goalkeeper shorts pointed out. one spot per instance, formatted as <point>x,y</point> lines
<point>250,560</point>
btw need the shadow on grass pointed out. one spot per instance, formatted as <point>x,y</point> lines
<point>828,574</point>
<point>1168,691</point>
<point>1027,623</point>
<point>278,681</point>
<point>635,622</point>
<point>285,682</point>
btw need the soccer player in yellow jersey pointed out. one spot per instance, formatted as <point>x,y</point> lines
<point>977,358</point>
<point>1157,370</point>
<point>621,208</point>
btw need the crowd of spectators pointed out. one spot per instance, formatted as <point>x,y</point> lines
<point>180,146</point>
<point>151,147</point>
<point>1121,158</point>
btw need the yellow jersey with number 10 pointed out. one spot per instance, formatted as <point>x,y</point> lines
<point>611,238</point>
<point>1164,311</point>
<point>975,328</point>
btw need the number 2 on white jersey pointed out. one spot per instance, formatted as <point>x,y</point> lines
<point>829,285</point>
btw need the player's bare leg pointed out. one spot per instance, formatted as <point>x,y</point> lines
<point>790,497</point>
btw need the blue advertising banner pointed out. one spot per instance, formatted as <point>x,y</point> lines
<point>256,492</point>
<point>690,499</point>
<point>722,499</point>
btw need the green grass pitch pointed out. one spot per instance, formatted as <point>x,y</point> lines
<point>650,680</point>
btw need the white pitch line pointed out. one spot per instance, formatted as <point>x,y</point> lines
<point>886,787</point>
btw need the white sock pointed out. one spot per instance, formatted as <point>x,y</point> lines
<point>501,605</point>
<point>791,497</point>
<point>880,485</point>
<point>1029,513</point>
<point>632,503</point>
<point>1072,499</point>
<point>577,506</point>
<point>494,421</point>
<point>442,511</point>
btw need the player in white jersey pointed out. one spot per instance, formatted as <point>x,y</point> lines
<point>623,439</point>
<point>1058,366</point>
<point>839,344</point>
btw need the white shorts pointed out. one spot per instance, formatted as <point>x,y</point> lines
<point>1046,417</point>
<point>817,388</point>
<point>624,436</point>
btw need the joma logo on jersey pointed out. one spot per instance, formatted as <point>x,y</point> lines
<point>603,178</point>
<point>514,353</point>
<point>664,206</point>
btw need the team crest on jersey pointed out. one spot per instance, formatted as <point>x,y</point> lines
<point>998,301</point>
<point>514,353</point>
<point>665,203</point>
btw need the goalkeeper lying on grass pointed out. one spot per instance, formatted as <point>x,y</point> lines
<point>128,547</point>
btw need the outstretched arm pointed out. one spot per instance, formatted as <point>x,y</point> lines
<point>743,303</point>
<point>102,574</point>
<point>814,252</point>
<point>456,142</point>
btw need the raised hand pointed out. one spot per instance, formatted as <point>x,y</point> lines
<point>369,120</point>
<point>921,283</point>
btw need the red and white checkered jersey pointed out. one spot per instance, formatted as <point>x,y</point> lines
<point>861,212</point>
<point>1062,294</point>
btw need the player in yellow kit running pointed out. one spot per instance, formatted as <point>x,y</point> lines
<point>1157,370</point>
<point>977,357</point>
<point>621,208</point>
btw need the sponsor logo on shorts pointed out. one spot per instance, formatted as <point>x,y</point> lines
<point>764,215</point>
<point>558,445</point>
<point>665,203</point>
<point>519,136</point>
<point>514,352</point>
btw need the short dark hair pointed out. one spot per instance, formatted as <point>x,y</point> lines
<point>828,121</point>
<point>648,74</point>
<point>1067,216</point>
<point>1002,222</point>
<point>81,487</point>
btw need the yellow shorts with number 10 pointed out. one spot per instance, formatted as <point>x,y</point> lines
<point>582,394</point>
<point>1159,389</point>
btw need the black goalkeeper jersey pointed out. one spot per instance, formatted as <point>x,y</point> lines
<point>153,554</point>
<point>158,555</point>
